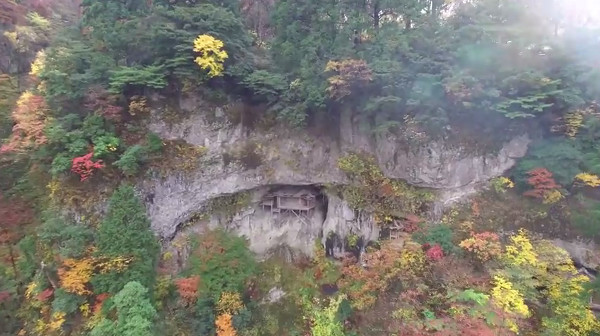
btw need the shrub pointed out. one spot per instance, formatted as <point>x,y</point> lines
<point>588,218</point>
<point>188,289</point>
<point>265,85</point>
<point>85,167</point>
<point>153,143</point>
<point>561,157</point>
<point>510,300</point>
<point>351,75</point>
<point>371,190</point>
<point>60,164</point>
<point>138,106</point>
<point>364,284</point>
<point>501,184</point>
<point>105,145</point>
<point>588,179</point>
<point>66,302</point>
<point>143,76</point>
<point>134,314</point>
<point>485,246</point>
<point>434,253</point>
<point>129,163</point>
<point>439,234</point>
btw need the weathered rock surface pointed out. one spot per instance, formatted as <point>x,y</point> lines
<point>585,254</point>
<point>299,158</point>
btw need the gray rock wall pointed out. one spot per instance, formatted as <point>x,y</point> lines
<point>297,158</point>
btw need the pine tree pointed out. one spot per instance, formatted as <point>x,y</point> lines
<point>125,232</point>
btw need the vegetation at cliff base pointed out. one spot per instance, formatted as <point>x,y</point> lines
<point>93,94</point>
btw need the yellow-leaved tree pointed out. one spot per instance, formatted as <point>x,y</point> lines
<point>510,300</point>
<point>587,179</point>
<point>212,55</point>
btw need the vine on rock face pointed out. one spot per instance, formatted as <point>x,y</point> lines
<point>85,167</point>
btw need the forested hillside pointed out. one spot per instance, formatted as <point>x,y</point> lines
<point>83,81</point>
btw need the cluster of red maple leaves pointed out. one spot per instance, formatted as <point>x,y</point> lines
<point>85,167</point>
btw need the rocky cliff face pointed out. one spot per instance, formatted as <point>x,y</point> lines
<point>296,158</point>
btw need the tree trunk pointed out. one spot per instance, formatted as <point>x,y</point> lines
<point>13,264</point>
<point>435,8</point>
<point>407,22</point>
<point>376,15</point>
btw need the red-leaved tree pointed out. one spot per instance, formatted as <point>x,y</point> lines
<point>188,289</point>
<point>45,294</point>
<point>14,214</point>
<point>98,100</point>
<point>435,253</point>
<point>99,302</point>
<point>85,167</point>
<point>541,181</point>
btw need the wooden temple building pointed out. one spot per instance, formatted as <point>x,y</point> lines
<point>296,201</point>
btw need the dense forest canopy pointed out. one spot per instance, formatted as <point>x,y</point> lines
<point>78,84</point>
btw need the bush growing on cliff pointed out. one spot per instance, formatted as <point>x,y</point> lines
<point>129,163</point>
<point>371,190</point>
<point>561,157</point>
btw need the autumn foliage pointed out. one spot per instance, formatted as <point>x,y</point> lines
<point>224,325</point>
<point>188,289</point>
<point>543,185</point>
<point>100,101</point>
<point>484,245</point>
<point>75,274</point>
<point>351,75</point>
<point>434,253</point>
<point>10,11</point>
<point>85,167</point>
<point>29,117</point>
<point>45,294</point>
<point>99,301</point>
<point>230,303</point>
<point>14,214</point>
<point>212,54</point>
<point>363,284</point>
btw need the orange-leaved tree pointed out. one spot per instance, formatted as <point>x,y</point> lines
<point>75,274</point>
<point>543,186</point>
<point>484,245</point>
<point>224,325</point>
<point>188,289</point>
<point>30,118</point>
